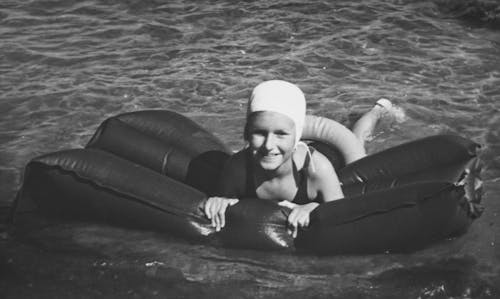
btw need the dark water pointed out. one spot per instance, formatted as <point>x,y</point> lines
<point>67,65</point>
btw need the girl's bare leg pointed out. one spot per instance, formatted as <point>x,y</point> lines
<point>364,127</point>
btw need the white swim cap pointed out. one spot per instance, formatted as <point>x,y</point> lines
<point>281,97</point>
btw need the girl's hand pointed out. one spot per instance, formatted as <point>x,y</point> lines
<point>299,217</point>
<point>288,204</point>
<point>215,210</point>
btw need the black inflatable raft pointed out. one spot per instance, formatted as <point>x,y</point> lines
<point>153,170</point>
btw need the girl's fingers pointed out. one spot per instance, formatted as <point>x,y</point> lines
<point>292,222</point>
<point>217,222</point>
<point>222,214</point>
<point>206,208</point>
<point>295,228</point>
<point>222,211</point>
<point>215,210</point>
<point>216,214</point>
<point>297,218</point>
<point>303,220</point>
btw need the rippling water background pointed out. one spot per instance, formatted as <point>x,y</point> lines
<point>67,65</point>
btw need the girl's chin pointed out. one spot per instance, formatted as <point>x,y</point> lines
<point>270,163</point>
<point>269,167</point>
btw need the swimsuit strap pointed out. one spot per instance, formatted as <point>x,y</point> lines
<point>302,197</point>
<point>308,161</point>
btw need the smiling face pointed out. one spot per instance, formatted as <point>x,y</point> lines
<point>271,137</point>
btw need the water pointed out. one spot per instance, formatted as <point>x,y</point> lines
<point>67,65</point>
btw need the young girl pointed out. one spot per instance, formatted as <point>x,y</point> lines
<point>276,165</point>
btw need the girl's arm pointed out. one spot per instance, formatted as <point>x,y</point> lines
<point>323,184</point>
<point>323,179</point>
<point>334,134</point>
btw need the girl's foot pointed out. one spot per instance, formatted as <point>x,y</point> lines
<point>384,107</point>
<point>365,126</point>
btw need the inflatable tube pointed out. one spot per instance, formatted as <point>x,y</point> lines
<point>435,158</point>
<point>167,143</point>
<point>389,207</point>
<point>89,184</point>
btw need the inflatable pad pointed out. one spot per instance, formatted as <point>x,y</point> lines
<point>154,170</point>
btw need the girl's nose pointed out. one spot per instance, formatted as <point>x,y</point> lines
<point>270,142</point>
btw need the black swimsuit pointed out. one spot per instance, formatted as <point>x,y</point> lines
<point>300,177</point>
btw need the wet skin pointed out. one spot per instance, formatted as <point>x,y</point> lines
<point>271,140</point>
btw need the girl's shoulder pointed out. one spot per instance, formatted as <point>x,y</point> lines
<point>320,163</point>
<point>315,163</point>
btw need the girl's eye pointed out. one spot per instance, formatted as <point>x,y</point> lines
<point>258,132</point>
<point>282,133</point>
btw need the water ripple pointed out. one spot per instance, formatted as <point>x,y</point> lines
<point>67,65</point>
